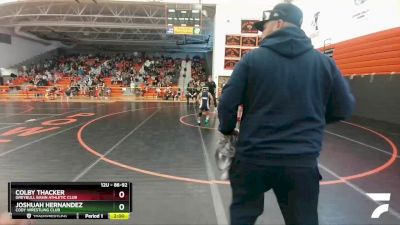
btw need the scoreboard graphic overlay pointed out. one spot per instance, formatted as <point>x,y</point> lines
<point>70,200</point>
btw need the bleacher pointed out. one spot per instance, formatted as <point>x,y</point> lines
<point>64,76</point>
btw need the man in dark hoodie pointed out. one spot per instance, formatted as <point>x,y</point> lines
<point>289,92</point>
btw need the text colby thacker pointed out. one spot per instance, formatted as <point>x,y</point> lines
<point>49,205</point>
<point>40,192</point>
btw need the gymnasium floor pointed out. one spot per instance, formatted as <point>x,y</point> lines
<point>171,163</point>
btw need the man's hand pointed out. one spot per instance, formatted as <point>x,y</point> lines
<point>225,152</point>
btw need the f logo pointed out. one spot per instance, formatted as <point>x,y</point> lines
<point>382,208</point>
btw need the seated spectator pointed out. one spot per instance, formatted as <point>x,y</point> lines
<point>85,71</point>
<point>168,93</point>
<point>176,94</point>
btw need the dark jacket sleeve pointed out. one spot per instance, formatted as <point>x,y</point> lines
<point>231,97</point>
<point>341,101</point>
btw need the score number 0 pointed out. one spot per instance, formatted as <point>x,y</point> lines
<point>121,194</point>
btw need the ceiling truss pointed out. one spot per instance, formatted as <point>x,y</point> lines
<point>95,22</point>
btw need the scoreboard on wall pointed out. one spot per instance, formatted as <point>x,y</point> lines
<point>185,20</point>
<point>70,200</point>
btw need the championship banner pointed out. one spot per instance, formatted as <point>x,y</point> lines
<point>247,27</point>
<point>230,64</point>
<point>232,52</point>
<point>232,40</point>
<point>243,51</point>
<point>250,41</point>
<point>222,80</point>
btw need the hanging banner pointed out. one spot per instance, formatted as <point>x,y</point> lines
<point>232,52</point>
<point>222,80</point>
<point>247,27</point>
<point>249,41</point>
<point>230,63</point>
<point>232,40</point>
<point>243,51</point>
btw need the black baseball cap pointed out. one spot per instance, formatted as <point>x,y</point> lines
<point>283,11</point>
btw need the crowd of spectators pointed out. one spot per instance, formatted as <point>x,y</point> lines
<point>87,74</point>
<point>198,70</point>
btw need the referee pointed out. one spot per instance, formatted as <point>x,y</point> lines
<point>289,92</point>
<point>211,88</point>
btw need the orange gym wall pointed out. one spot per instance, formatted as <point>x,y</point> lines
<point>376,53</point>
